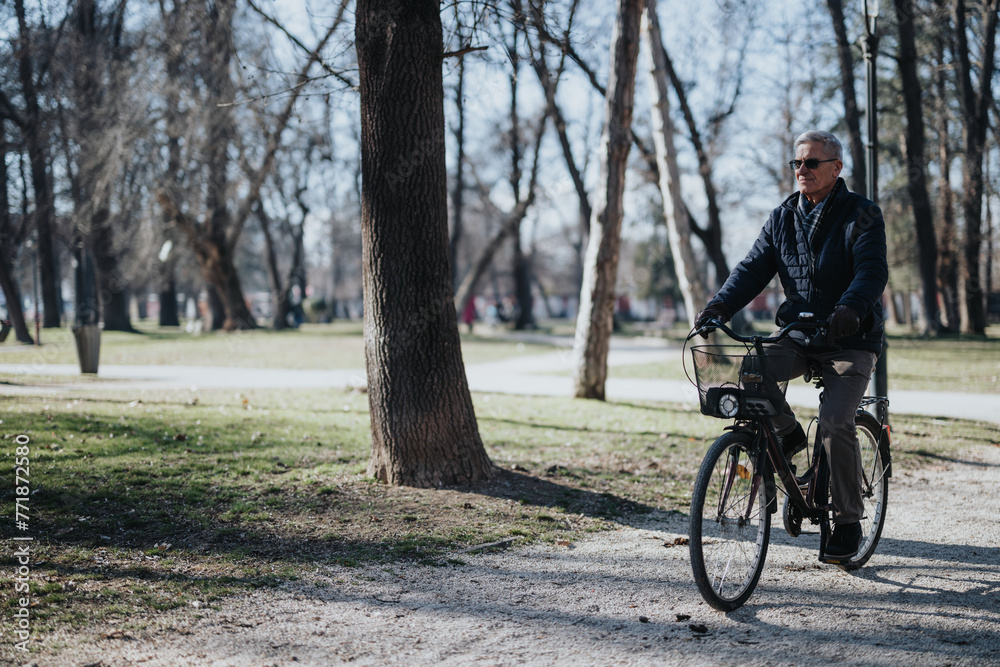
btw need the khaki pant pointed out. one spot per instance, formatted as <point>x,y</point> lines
<point>845,379</point>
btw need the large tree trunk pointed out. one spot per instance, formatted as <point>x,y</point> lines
<point>975,108</point>
<point>690,278</point>
<point>34,138</point>
<point>597,297</point>
<point>852,116</point>
<point>916,162</point>
<point>424,430</point>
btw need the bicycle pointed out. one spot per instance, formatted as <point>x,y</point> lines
<point>735,493</point>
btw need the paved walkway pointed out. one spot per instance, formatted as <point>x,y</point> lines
<point>547,374</point>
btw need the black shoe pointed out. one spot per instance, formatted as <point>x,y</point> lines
<point>807,477</point>
<point>844,542</point>
<point>793,443</point>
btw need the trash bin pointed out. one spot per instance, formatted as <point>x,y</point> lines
<point>88,346</point>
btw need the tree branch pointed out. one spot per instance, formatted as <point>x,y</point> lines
<point>295,40</point>
<point>274,137</point>
<point>462,52</point>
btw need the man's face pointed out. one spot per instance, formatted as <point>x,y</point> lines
<point>815,184</point>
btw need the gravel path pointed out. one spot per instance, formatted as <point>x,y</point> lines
<point>929,596</point>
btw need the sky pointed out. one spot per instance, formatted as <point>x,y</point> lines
<point>704,40</point>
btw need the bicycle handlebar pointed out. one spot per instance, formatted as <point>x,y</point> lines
<point>808,323</point>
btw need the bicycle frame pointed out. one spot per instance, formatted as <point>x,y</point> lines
<point>767,445</point>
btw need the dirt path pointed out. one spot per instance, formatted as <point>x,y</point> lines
<point>930,596</point>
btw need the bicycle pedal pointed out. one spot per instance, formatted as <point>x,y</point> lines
<point>833,560</point>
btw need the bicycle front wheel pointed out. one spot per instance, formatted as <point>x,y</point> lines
<point>874,489</point>
<point>730,523</point>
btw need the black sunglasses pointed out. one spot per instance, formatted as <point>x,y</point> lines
<point>811,163</point>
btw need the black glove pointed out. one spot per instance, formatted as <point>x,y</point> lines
<point>713,311</point>
<point>844,322</point>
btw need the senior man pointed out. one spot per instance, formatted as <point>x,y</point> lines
<point>827,247</point>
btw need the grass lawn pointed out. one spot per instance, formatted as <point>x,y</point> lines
<point>961,364</point>
<point>337,346</point>
<point>150,501</point>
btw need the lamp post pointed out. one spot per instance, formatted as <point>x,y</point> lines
<point>869,46</point>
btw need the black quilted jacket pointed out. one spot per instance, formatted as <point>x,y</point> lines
<point>844,264</point>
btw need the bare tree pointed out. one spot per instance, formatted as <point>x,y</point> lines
<point>948,260</point>
<point>31,122</point>
<point>852,116</point>
<point>975,108</point>
<point>424,430</point>
<point>214,237</point>
<point>916,162</point>
<point>99,136</point>
<point>549,81</point>
<point>597,297</point>
<point>11,238</point>
<point>689,273</point>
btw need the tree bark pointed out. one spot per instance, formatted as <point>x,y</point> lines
<point>917,163</point>
<point>975,108</point>
<point>424,430</point>
<point>852,116</point>
<point>597,297</point>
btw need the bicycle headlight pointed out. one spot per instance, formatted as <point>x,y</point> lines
<point>726,402</point>
<point>729,403</point>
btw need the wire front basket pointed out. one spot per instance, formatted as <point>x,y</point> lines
<point>734,382</point>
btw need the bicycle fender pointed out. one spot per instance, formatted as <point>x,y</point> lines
<point>884,452</point>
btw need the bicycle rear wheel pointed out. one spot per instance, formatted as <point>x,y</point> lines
<point>730,523</point>
<point>874,488</point>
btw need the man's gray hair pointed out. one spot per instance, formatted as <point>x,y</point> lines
<point>831,145</point>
